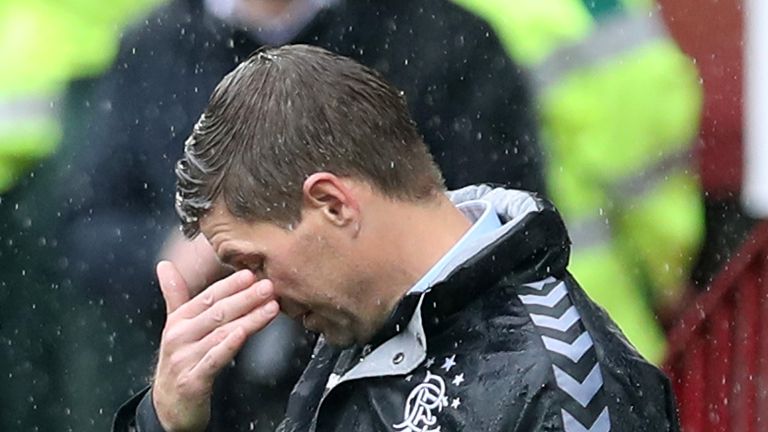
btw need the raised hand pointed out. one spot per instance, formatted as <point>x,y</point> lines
<point>201,336</point>
<point>195,260</point>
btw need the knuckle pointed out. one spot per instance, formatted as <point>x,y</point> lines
<point>217,315</point>
<point>186,385</point>
<point>219,334</point>
<point>207,298</point>
<point>171,336</point>
<point>210,363</point>
<point>176,361</point>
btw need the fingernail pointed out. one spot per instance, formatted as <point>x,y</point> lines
<point>270,308</point>
<point>263,289</point>
<point>244,276</point>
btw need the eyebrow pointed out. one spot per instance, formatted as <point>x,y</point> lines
<point>230,255</point>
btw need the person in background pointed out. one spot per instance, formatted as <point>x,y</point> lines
<point>33,78</point>
<point>619,105</point>
<point>44,44</point>
<point>472,103</point>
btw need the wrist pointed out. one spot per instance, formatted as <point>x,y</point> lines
<point>178,416</point>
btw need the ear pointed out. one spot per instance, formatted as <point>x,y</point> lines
<point>333,197</point>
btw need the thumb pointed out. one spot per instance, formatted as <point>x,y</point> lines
<point>173,286</point>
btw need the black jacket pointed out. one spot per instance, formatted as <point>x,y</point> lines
<point>505,341</point>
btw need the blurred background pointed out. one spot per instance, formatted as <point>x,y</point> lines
<point>645,122</point>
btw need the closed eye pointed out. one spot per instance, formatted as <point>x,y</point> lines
<point>254,263</point>
<point>240,261</point>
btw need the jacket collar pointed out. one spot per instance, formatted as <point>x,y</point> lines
<point>531,244</point>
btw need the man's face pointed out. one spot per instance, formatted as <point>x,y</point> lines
<point>315,272</point>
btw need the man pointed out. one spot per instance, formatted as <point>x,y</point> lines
<point>464,91</point>
<point>471,103</point>
<point>307,174</point>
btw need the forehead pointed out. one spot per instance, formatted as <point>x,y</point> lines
<point>217,219</point>
<point>220,226</point>
<point>225,231</point>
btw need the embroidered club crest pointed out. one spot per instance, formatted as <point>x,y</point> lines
<point>421,403</point>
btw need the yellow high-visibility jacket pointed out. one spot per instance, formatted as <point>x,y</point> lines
<point>619,106</point>
<point>44,44</point>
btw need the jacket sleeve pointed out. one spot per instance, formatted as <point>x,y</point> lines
<point>137,415</point>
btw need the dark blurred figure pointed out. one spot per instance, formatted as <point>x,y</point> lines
<point>43,45</point>
<point>472,104</point>
<point>30,328</point>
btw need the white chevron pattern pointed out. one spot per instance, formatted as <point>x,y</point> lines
<point>548,300</point>
<point>574,351</point>
<point>601,424</point>
<point>566,320</point>
<point>540,284</point>
<point>583,391</point>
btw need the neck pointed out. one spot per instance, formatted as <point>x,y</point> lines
<point>415,237</point>
<point>256,12</point>
<point>428,235</point>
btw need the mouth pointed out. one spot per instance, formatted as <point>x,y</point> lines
<point>294,311</point>
<point>300,316</point>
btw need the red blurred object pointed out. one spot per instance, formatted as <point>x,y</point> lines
<point>711,32</point>
<point>718,360</point>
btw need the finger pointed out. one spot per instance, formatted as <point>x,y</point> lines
<point>252,322</point>
<point>172,285</point>
<point>229,309</point>
<point>219,356</point>
<point>224,288</point>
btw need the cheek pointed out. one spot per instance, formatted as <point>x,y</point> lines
<point>312,272</point>
<point>291,280</point>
